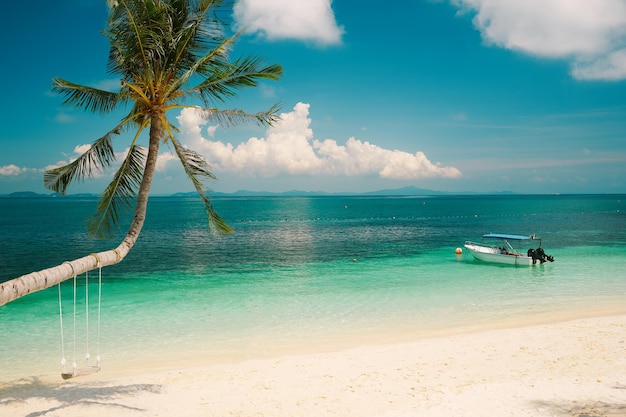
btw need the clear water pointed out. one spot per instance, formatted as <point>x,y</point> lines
<point>299,274</point>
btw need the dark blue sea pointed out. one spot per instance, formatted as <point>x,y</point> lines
<point>299,274</point>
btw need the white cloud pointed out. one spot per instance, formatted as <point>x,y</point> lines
<point>11,170</point>
<point>592,34</point>
<point>81,149</point>
<point>610,67</point>
<point>290,148</point>
<point>310,20</point>
<point>163,160</point>
<point>78,151</point>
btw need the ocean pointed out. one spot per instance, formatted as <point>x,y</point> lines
<point>300,274</point>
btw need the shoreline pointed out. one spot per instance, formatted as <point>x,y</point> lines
<point>265,347</point>
<point>397,335</point>
<point>566,367</point>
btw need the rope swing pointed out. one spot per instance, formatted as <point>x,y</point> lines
<point>89,368</point>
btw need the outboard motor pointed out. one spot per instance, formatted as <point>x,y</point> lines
<point>541,256</point>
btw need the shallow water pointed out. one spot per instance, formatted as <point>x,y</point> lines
<point>299,274</point>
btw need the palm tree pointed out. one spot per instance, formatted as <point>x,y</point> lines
<point>166,53</point>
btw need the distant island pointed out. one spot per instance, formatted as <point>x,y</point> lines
<point>31,194</point>
<point>404,191</point>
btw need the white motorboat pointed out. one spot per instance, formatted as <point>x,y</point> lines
<point>509,249</point>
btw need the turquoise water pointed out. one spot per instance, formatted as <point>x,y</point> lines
<point>299,274</point>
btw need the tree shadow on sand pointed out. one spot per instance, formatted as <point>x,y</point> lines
<point>69,395</point>
<point>586,408</point>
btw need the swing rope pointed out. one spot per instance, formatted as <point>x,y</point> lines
<point>88,369</point>
<point>63,369</point>
<point>63,361</point>
<point>74,357</point>
<point>99,309</point>
<point>87,318</point>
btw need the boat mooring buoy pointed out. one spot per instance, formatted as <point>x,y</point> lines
<point>458,251</point>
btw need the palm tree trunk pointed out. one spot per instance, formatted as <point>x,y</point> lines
<point>36,281</point>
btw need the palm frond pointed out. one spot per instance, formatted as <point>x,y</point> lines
<point>168,128</point>
<point>129,30</point>
<point>215,55</point>
<point>98,157</point>
<point>193,32</point>
<point>118,197</point>
<point>225,78</point>
<point>137,93</point>
<point>87,98</point>
<point>201,30</point>
<point>197,168</point>
<point>235,117</point>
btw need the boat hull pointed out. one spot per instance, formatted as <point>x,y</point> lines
<point>493,255</point>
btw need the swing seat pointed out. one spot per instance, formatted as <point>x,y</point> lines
<point>88,370</point>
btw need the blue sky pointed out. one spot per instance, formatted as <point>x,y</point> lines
<point>451,95</point>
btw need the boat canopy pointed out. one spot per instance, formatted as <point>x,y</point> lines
<point>508,237</point>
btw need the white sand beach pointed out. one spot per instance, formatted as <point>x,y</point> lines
<point>571,368</point>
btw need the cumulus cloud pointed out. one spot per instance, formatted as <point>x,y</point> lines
<point>11,170</point>
<point>290,148</point>
<point>591,34</point>
<point>163,160</point>
<point>310,20</point>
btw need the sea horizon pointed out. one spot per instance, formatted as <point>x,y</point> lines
<point>409,191</point>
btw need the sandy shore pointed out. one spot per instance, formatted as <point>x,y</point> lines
<point>573,368</point>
